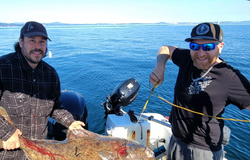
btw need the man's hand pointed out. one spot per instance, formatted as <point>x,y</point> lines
<point>157,76</point>
<point>13,142</point>
<point>76,125</point>
<point>154,79</point>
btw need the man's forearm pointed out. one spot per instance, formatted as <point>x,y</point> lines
<point>162,58</point>
<point>164,54</point>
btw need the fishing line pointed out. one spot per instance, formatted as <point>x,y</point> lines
<point>189,110</point>
<point>145,105</point>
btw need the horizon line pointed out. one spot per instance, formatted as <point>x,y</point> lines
<point>65,23</point>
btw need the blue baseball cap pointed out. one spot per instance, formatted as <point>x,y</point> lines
<point>33,28</point>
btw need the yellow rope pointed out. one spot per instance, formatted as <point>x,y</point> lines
<point>152,91</point>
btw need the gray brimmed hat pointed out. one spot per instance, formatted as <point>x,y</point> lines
<point>33,28</point>
<point>206,31</point>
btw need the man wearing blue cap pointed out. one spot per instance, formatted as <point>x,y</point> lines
<point>30,92</point>
<point>205,84</point>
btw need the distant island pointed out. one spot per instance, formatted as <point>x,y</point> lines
<point>16,24</point>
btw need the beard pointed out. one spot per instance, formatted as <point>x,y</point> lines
<point>29,59</point>
<point>205,64</point>
<point>201,65</point>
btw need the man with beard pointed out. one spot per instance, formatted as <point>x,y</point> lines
<point>205,84</point>
<point>30,92</point>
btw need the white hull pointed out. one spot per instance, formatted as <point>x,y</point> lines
<point>154,133</point>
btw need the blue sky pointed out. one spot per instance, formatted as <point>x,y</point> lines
<point>124,11</point>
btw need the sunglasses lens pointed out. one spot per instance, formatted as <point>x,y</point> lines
<point>208,46</point>
<point>194,46</point>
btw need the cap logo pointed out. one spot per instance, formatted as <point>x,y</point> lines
<point>30,27</point>
<point>202,29</point>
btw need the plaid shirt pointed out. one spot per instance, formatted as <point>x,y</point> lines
<point>29,96</point>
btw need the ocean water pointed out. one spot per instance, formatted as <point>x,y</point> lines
<point>93,59</point>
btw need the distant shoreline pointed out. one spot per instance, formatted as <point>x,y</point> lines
<point>159,23</point>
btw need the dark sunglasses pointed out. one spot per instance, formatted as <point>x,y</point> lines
<point>205,47</point>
